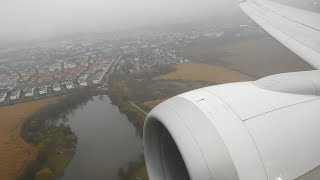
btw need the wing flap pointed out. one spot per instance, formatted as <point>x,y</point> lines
<point>297,29</point>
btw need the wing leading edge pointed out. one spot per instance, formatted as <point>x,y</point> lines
<point>297,29</point>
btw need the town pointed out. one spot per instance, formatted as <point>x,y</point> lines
<point>60,66</point>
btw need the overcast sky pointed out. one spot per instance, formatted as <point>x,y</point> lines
<point>29,19</point>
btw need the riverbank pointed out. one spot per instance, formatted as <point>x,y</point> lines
<point>16,154</point>
<point>136,94</point>
<point>55,142</point>
<point>121,95</point>
<point>135,170</point>
<point>107,141</point>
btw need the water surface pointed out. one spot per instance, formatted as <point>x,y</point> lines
<point>106,141</point>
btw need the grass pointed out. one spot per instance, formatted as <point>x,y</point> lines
<point>204,72</point>
<point>141,172</point>
<point>136,170</point>
<point>57,163</point>
<point>16,154</point>
<point>255,56</point>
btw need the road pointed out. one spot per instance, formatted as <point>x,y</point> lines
<point>111,68</point>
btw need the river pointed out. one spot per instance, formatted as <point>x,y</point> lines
<point>106,141</point>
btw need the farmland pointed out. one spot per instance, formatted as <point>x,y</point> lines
<point>204,72</point>
<point>15,152</point>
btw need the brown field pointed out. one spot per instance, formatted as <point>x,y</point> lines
<point>257,57</point>
<point>204,72</point>
<point>15,152</point>
<point>261,57</point>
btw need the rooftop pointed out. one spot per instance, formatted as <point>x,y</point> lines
<point>43,88</point>
<point>98,75</point>
<point>83,76</point>
<point>29,90</point>
<point>2,93</point>
<point>69,83</point>
<point>16,92</point>
<point>82,80</point>
<point>56,85</point>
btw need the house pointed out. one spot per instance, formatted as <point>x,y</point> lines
<point>98,77</point>
<point>15,94</point>
<point>69,85</point>
<point>69,65</point>
<point>54,67</point>
<point>43,90</point>
<point>82,83</point>
<point>72,65</point>
<point>82,80</point>
<point>3,96</point>
<point>83,77</point>
<point>41,70</point>
<point>56,87</point>
<point>29,91</point>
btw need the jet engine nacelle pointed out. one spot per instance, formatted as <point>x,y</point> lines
<point>263,130</point>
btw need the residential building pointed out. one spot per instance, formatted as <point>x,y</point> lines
<point>69,85</point>
<point>82,80</point>
<point>98,77</point>
<point>15,94</point>
<point>83,77</point>
<point>54,67</point>
<point>56,87</point>
<point>3,95</point>
<point>43,90</point>
<point>69,65</point>
<point>29,91</point>
<point>82,83</point>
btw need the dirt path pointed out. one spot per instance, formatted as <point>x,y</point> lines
<point>138,108</point>
<point>15,153</point>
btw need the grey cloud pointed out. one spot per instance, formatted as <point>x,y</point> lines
<point>27,19</point>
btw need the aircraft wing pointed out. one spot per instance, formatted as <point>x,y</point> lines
<point>297,29</point>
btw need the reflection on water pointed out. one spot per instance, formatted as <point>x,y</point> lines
<point>106,141</point>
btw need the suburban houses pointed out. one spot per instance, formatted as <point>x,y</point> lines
<point>15,95</point>
<point>43,90</point>
<point>3,95</point>
<point>69,85</point>
<point>29,91</point>
<point>52,68</point>
<point>98,77</point>
<point>82,80</point>
<point>56,87</point>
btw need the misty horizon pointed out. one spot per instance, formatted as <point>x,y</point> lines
<point>36,19</point>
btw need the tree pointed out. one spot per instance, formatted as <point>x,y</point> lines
<point>44,174</point>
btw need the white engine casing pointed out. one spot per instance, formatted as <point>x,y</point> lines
<point>235,131</point>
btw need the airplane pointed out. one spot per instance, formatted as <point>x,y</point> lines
<point>267,129</point>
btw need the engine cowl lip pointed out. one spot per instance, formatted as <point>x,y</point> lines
<point>199,162</point>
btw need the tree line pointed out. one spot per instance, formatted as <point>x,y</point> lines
<point>52,138</point>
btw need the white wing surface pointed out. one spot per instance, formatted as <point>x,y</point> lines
<point>297,29</point>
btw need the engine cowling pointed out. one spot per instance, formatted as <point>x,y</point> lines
<point>233,131</point>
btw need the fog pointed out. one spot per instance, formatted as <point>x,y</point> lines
<point>34,19</point>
